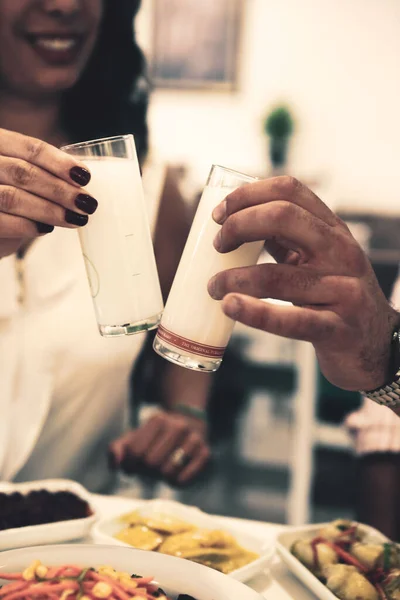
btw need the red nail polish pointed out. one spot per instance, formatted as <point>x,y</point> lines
<point>86,203</point>
<point>75,218</point>
<point>43,227</point>
<point>80,175</point>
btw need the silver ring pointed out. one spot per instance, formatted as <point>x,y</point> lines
<point>178,457</point>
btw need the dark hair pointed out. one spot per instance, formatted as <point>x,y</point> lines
<point>111,96</point>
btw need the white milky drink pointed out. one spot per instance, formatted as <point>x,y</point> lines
<point>117,246</point>
<point>194,331</point>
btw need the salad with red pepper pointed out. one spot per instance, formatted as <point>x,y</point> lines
<point>73,582</point>
<point>351,566</point>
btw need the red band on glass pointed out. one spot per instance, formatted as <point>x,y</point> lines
<point>188,345</point>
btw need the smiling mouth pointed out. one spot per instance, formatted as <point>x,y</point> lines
<point>55,43</point>
<point>56,48</point>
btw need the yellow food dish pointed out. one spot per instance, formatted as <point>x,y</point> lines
<point>169,535</point>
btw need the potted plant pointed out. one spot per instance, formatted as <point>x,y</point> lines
<point>279,127</point>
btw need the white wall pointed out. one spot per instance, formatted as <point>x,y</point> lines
<point>337,62</point>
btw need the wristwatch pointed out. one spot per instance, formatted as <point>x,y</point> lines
<point>389,394</point>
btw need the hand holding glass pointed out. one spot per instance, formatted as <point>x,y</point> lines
<point>116,243</point>
<point>194,331</point>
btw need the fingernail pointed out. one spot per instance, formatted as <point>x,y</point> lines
<point>80,175</point>
<point>219,213</point>
<point>212,288</point>
<point>218,240</point>
<point>75,218</point>
<point>86,203</point>
<point>43,227</point>
<point>232,307</point>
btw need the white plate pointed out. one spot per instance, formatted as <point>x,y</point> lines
<point>105,529</point>
<point>49,533</point>
<point>174,575</point>
<point>285,540</point>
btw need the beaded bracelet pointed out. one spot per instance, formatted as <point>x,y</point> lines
<point>190,411</point>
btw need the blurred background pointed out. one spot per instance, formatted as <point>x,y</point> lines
<point>310,88</point>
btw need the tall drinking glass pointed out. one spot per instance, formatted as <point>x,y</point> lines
<point>116,243</point>
<point>194,331</point>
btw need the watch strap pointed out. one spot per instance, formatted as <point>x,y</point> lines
<point>389,394</point>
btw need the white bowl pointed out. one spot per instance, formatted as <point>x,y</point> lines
<point>284,543</point>
<point>48,533</point>
<point>104,530</point>
<point>174,575</point>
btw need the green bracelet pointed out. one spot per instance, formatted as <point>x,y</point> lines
<point>190,411</point>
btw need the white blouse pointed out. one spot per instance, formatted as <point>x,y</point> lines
<point>63,388</point>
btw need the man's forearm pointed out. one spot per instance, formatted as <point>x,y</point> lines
<point>184,387</point>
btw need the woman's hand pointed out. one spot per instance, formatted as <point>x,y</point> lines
<point>169,444</point>
<point>40,187</point>
<point>338,305</point>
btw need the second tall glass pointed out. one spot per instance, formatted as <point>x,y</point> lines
<point>116,243</point>
<point>194,331</point>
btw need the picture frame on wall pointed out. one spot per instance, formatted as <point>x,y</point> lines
<point>196,44</point>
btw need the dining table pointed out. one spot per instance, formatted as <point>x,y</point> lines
<point>276,582</point>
